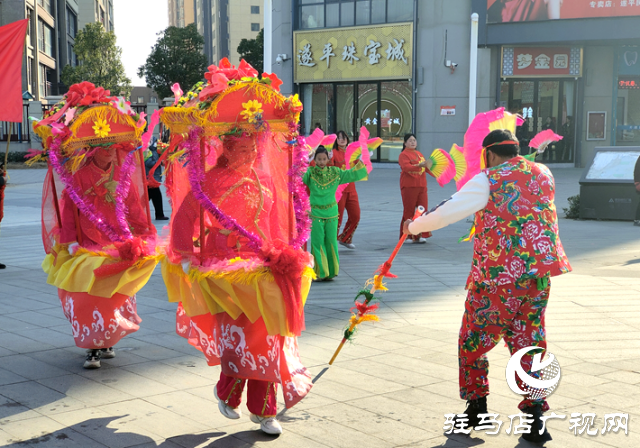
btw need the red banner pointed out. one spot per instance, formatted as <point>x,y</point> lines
<point>532,10</point>
<point>12,38</point>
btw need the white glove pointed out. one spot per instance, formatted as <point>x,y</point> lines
<point>73,248</point>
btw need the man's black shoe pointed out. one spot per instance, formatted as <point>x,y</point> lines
<point>534,436</point>
<point>474,408</point>
<point>162,218</point>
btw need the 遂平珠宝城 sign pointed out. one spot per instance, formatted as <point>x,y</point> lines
<point>354,53</point>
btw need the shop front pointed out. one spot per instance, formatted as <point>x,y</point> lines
<point>357,76</point>
<point>540,84</point>
<point>627,100</point>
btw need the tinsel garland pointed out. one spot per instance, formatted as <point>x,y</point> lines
<point>298,190</point>
<point>122,191</point>
<point>196,178</point>
<point>86,209</point>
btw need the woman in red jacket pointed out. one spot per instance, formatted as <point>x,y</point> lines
<point>413,183</point>
<point>349,199</point>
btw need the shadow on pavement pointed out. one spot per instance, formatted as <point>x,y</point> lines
<point>88,432</point>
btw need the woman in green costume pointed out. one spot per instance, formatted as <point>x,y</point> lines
<point>323,181</point>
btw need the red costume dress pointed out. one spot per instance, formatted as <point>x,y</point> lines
<point>96,321</point>
<point>348,200</point>
<point>413,186</point>
<point>232,212</point>
<point>96,230</point>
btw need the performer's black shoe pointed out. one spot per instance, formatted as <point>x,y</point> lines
<point>162,218</point>
<point>3,266</point>
<point>534,436</point>
<point>474,408</point>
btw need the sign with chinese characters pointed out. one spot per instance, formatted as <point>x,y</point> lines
<point>541,62</point>
<point>500,11</point>
<point>354,53</point>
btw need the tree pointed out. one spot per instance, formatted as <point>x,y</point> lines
<point>100,61</point>
<point>176,57</point>
<point>252,50</point>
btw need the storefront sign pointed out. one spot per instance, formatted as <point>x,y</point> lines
<point>354,53</point>
<point>534,10</point>
<point>540,62</point>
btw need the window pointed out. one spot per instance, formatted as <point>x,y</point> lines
<point>255,10</point>
<point>335,13</point>
<point>45,39</point>
<point>29,26</point>
<point>255,27</point>
<point>140,100</point>
<point>44,84</point>
<point>46,5</point>
<point>30,75</point>
<point>400,11</point>
<point>102,17</point>
<point>153,99</point>
<point>72,23</point>
<point>72,59</point>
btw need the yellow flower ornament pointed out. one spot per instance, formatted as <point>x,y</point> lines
<point>251,109</point>
<point>101,128</point>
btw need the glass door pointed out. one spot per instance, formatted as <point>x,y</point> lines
<point>544,104</point>
<point>345,108</point>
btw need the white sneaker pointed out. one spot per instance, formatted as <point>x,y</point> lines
<point>107,353</point>
<point>420,240</point>
<point>225,409</point>
<point>268,425</point>
<point>347,245</point>
<point>92,361</point>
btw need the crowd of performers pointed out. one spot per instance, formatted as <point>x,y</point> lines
<point>244,202</point>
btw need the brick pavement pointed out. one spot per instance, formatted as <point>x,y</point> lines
<point>390,388</point>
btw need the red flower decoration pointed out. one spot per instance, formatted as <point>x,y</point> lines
<point>275,81</point>
<point>218,81</point>
<point>244,70</point>
<point>130,249</point>
<point>85,94</point>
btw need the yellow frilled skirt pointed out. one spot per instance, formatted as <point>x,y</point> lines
<point>252,293</point>
<point>76,273</point>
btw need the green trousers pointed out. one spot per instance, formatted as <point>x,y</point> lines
<point>324,247</point>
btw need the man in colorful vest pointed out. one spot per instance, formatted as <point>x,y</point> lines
<point>516,249</point>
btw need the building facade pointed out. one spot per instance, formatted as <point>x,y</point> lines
<point>381,64</point>
<point>91,11</point>
<point>572,67</point>
<point>398,66</point>
<point>181,13</point>
<point>224,23</point>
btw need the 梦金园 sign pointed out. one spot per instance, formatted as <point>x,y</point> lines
<point>533,10</point>
<point>354,53</point>
<point>532,62</point>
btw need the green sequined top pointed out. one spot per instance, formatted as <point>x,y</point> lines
<point>323,183</point>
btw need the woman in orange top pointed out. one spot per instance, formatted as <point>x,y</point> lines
<point>349,199</point>
<point>413,182</point>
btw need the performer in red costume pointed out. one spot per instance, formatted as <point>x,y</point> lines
<point>516,250</point>
<point>349,200</point>
<point>234,262</point>
<point>99,241</point>
<point>413,183</point>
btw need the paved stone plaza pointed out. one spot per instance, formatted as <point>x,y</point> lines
<point>390,388</point>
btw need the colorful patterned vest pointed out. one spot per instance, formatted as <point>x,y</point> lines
<point>517,232</point>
